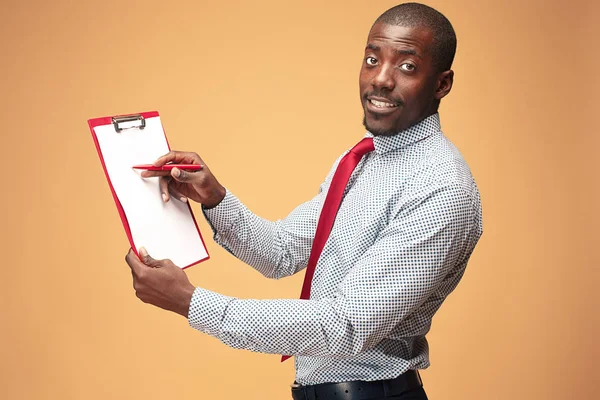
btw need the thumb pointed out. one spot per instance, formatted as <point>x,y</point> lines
<point>146,259</point>
<point>181,175</point>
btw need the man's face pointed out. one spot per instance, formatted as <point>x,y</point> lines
<point>397,79</point>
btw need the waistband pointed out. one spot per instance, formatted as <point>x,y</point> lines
<point>358,390</point>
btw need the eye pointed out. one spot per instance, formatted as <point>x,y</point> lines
<point>408,67</point>
<point>371,60</point>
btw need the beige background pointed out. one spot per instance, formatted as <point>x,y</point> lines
<point>267,93</point>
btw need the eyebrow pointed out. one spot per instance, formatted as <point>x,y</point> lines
<point>404,52</point>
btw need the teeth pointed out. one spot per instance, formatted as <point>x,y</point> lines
<point>382,104</point>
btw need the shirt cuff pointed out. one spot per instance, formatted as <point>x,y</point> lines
<point>207,310</point>
<point>225,214</point>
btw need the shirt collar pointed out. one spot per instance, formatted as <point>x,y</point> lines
<point>414,134</point>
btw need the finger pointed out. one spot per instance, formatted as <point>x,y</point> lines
<point>134,262</point>
<point>177,194</point>
<point>146,259</point>
<point>183,176</point>
<point>163,184</point>
<point>166,263</point>
<point>152,174</point>
<point>178,157</point>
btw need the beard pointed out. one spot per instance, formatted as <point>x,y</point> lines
<point>379,132</point>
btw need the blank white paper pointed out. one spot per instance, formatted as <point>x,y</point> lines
<point>166,230</point>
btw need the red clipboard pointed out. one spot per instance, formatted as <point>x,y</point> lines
<point>123,123</point>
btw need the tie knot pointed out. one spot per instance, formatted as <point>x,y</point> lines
<point>363,147</point>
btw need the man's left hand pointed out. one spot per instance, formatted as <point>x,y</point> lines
<point>160,282</point>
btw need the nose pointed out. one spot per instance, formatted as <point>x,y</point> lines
<point>384,78</point>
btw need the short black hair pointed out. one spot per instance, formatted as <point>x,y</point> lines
<point>416,14</point>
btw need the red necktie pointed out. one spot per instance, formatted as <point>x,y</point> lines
<point>330,209</point>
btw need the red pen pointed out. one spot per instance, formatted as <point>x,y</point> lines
<point>168,167</point>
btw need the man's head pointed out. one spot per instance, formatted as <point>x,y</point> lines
<point>406,69</point>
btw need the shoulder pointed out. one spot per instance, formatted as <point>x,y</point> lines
<point>441,165</point>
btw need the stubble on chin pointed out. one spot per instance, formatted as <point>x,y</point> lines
<point>378,132</point>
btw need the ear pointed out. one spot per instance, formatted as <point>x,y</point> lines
<point>444,84</point>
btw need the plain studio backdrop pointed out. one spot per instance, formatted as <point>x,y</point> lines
<point>267,93</point>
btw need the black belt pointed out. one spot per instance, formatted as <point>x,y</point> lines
<point>357,390</point>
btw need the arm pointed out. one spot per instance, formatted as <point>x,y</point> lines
<point>275,249</point>
<point>430,235</point>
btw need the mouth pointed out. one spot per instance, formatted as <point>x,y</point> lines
<point>380,105</point>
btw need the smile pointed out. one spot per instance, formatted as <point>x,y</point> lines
<point>382,104</point>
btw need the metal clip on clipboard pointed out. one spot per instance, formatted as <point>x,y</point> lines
<point>135,121</point>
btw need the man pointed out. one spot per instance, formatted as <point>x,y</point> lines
<point>407,217</point>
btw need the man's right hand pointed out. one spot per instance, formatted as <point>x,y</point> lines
<point>200,186</point>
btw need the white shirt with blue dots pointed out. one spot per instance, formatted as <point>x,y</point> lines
<point>408,223</point>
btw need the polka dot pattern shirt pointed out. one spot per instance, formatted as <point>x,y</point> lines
<point>408,223</point>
